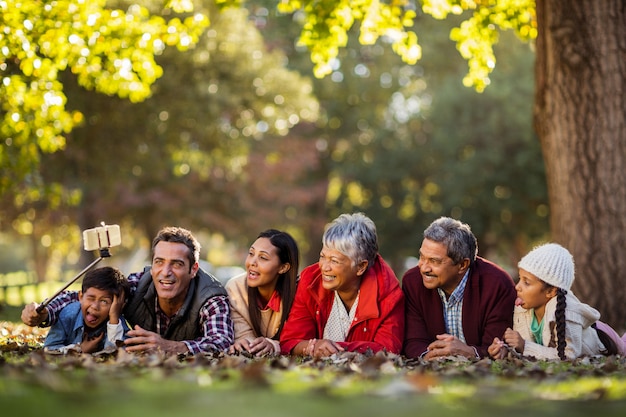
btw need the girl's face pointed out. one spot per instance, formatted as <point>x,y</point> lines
<point>263,265</point>
<point>533,293</point>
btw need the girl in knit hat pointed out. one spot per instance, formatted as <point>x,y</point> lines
<point>549,322</point>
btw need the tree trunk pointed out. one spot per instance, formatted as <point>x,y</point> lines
<point>580,117</point>
<point>41,257</point>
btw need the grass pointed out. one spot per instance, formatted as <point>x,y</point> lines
<point>200,391</point>
<point>10,313</point>
<point>32,384</point>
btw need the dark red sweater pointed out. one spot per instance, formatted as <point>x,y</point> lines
<point>488,304</point>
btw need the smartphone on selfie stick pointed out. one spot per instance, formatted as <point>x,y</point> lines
<point>101,238</point>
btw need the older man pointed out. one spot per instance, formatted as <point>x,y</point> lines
<point>456,302</point>
<point>174,305</point>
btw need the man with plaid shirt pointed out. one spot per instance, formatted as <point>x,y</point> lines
<point>174,305</point>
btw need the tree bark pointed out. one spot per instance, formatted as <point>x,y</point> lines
<point>580,117</point>
<point>41,257</point>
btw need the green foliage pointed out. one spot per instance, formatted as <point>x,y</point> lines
<point>394,134</point>
<point>193,144</point>
<point>483,160</point>
<point>184,148</point>
<point>216,123</point>
<point>327,23</point>
<point>477,35</point>
<point>326,27</point>
<point>407,144</point>
<point>110,51</point>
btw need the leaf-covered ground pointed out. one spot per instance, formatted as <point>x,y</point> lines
<point>32,383</point>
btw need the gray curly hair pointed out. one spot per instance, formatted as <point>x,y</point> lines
<point>354,235</point>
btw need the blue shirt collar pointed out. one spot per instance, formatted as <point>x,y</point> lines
<point>457,294</point>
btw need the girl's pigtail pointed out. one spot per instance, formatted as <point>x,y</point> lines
<point>560,322</point>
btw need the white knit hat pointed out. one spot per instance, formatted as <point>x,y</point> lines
<point>551,263</point>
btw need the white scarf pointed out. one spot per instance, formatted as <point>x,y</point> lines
<point>339,320</point>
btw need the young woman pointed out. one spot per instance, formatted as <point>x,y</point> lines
<point>261,298</point>
<point>549,322</point>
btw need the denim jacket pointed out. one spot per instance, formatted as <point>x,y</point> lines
<point>68,331</point>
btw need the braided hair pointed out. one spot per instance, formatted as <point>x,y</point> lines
<point>560,322</point>
<point>605,339</point>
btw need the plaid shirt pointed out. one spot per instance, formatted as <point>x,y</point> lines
<point>217,327</point>
<point>453,309</point>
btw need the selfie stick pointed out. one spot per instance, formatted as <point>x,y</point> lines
<point>88,235</point>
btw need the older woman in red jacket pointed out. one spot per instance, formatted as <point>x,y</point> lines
<point>350,300</point>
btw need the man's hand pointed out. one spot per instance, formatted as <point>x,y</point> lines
<point>497,349</point>
<point>30,316</point>
<point>90,345</point>
<point>448,345</point>
<point>141,340</point>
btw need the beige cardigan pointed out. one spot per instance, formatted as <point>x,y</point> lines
<point>237,289</point>
<point>581,338</point>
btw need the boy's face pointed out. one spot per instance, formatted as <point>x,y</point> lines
<point>95,305</point>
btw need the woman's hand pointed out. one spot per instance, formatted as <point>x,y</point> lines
<point>261,346</point>
<point>323,348</point>
<point>239,346</point>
